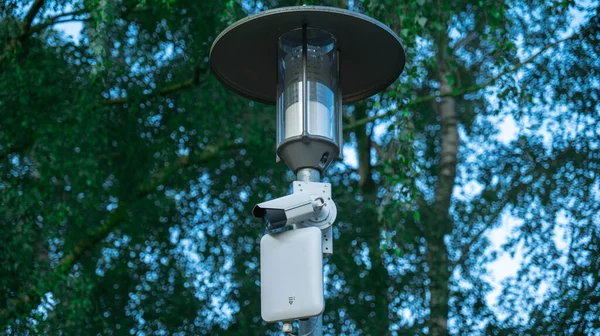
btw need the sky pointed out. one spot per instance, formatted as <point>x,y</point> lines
<point>505,265</point>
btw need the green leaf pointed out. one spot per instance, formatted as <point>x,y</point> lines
<point>416,216</point>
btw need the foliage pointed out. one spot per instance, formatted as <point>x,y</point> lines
<point>127,173</point>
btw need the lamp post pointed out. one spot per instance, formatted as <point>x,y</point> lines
<point>308,61</point>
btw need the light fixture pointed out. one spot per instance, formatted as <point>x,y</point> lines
<point>308,61</point>
<point>308,99</point>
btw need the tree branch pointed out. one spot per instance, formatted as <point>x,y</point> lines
<point>464,91</point>
<point>511,195</point>
<point>199,80</point>
<point>25,302</point>
<point>52,20</point>
<point>27,29</point>
<point>117,217</point>
<point>39,27</point>
<point>31,14</point>
<point>465,250</point>
<point>24,29</point>
<point>383,156</point>
<point>61,15</point>
<point>468,38</point>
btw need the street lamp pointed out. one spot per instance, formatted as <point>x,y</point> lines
<point>307,61</point>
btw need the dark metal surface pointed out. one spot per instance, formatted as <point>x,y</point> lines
<point>312,151</point>
<point>244,56</point>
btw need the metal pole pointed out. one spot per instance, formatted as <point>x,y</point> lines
<point>308,175</point>
<point>311,327</point>
<point>314,325</point>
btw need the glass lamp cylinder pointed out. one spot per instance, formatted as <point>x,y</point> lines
<point>308,97</point>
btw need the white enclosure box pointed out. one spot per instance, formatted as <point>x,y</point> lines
<point>291,275</point>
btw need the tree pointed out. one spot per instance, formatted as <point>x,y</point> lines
<point>127,173</point>
<point>452,227</point>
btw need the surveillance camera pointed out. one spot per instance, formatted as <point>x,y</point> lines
<point>309,206</point>
<point>290,209</point>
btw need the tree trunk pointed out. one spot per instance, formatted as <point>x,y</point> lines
<point>377,323</point>
<point>440,223</point>
<point>439,277</point>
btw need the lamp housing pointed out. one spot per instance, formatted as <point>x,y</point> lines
<point>308,99</point>
<point>307,60</point>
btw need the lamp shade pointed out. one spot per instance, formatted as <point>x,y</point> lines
<point>307,60</point>
<point>243,55</point>
<point>308,101</point>
<point>319,83</point>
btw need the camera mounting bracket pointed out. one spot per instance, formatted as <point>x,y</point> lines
<point>324,222</point>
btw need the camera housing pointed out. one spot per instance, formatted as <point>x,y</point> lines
<point>310,204</point>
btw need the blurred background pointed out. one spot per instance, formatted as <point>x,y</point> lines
<point>468,198</point>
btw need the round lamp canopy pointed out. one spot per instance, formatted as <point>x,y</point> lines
<point>244,56</point>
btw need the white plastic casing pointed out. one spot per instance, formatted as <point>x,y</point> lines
<point>291,275</point>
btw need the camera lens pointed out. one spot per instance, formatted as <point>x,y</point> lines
<point>275,218</point>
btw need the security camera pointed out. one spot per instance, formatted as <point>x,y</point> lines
<point>309,205</point>
<point>289,209</point>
